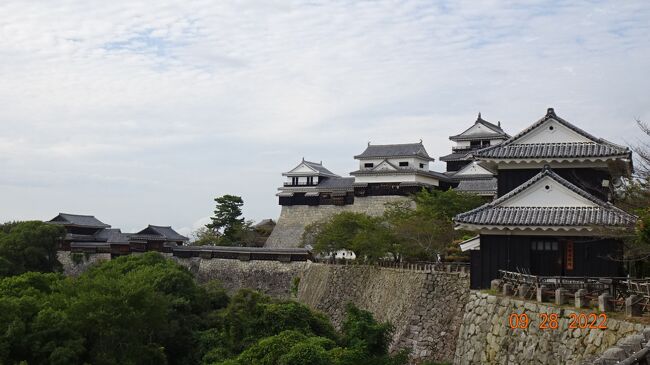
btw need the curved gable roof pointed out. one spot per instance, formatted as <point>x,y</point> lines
<point>395,150</point>
<point>493,131</point>
<point>316,167</point>
<point>78,220</point>
<point>497,213</point>
<point>593,147</point>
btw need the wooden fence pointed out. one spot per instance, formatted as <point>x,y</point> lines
<point>621,291</point>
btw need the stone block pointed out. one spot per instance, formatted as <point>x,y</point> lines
<point>523,290</point>
<point>507,289</point>
<point>605,303</point>
<point>495,284</point>
<point>633,306</point>
<point>631,344</point>
<point>541,294</point>
<point>581,300</point>
<point>613,355</point>
<point>560,296</point>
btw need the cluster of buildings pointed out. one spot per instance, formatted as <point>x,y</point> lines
<point>397,169</point>
<point>85,233</point>
<point>549,192</point>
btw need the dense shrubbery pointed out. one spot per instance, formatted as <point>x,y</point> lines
<point>148,310</point>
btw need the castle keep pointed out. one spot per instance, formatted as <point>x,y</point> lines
<point>386,173</point>
<point>553,214</point>
<point>549,196</point>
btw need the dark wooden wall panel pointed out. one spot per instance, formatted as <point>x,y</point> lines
<point>588,179</point>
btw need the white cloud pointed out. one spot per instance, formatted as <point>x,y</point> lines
<point>142,112</point>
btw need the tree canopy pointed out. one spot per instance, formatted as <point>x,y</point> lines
<point>634,197</point>
<point>147,309</point>
<point>29,246</point>
<point>419,231</point>
<point>228,227</point>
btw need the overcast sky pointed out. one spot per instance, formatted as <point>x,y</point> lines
<point>141,112</point>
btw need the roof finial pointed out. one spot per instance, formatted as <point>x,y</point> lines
<point>321,162</point>
<point>479,116</point>
<point>368,143</point>
<point>420,140</point>
<point>499,124</point>
<point>303,158</point>
<point>550,111</point>
<point>547,167</point>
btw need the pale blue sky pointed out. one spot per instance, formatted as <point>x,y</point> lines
<point>143,112</point>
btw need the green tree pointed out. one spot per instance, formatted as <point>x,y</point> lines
<point>428,230</point>
<point>367,236</point>
<point>29,246</point>
<point>132,310</point>
<point>228,223</point>
<point>363,342</point>
<point>403,232</point>
<point>205,236</point>
<point>148,309</point>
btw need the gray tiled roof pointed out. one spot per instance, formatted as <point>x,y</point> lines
<point>316,166</point>
<point>494,131</point>
<point>493,214</point>
<point>547,216</point>
<point>166,232</point>
<point>319,167</point>
<point>478,186</point>
<point>111,235</point>
<point>434,174</point>
<point>456,156</point>
<point>557,150</point>
<point>395,150</point>
<point>509,149</point>
<point>78,220</point>
<point>336,183</point>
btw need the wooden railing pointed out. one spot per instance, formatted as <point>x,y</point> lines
<point>619,289</point>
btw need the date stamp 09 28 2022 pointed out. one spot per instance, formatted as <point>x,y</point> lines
<point>551,321</point>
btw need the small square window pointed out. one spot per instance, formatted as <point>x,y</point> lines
<point>368,164</point>
<point>421,165</point>
<point>403,163</point>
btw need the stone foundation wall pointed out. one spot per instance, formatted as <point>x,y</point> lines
<point>425,308</point>
<point>76,263</point>
<point>486,337</point>
<point>269,277</point>
<point>293,219</point>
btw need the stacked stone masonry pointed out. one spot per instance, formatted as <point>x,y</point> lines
<point>435,315</point>
<point>293,219</point>
<point>75,263</point>
<point>426,308</point>
<point>486,337</point>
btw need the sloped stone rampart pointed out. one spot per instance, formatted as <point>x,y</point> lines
<point>269,277</point>
<point>293,219</point>
<point>425,308</point>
